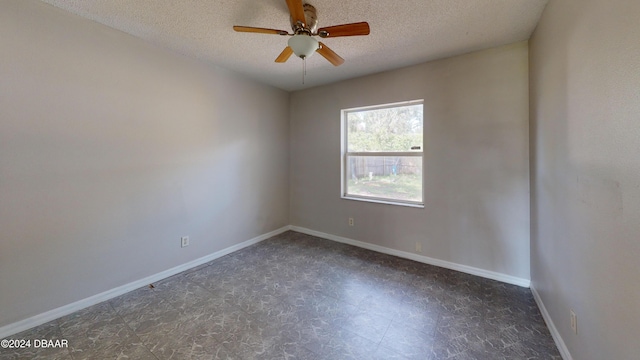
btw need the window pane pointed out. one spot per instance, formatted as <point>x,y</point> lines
<point>387,177</point>
<point>390,129</point>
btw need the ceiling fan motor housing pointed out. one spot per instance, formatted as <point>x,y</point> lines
<point>311,18</point>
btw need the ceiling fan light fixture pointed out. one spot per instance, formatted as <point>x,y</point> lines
<point>303,45</point>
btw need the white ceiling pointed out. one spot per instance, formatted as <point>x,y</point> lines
<point>402,32</point>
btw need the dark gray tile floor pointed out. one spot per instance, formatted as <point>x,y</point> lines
<point>295,296</point>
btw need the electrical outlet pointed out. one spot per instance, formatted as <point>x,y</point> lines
<point>184,241</point>
<point>418,247</point>
<point>574,322</point>
<point>350,221</point>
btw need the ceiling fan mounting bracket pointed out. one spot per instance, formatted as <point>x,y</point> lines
<point>311,20</point>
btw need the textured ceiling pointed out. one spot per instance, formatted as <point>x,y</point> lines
<point>402,32</point>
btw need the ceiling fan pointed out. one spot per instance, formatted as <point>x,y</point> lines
<point>304,23</point>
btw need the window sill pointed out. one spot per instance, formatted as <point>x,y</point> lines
<point>383,201</point>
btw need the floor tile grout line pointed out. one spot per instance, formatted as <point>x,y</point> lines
<point>59,330</point>
<point>156,293</point>
<point>132,331</point>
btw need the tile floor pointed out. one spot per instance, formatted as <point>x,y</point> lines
<point>295,296</point>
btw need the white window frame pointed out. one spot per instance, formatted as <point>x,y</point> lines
<point>345,154</point>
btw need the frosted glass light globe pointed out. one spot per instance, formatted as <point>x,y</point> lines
<point>303,45</point>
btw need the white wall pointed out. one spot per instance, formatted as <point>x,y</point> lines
<point>476,161</point>
<point>111,149</point>
<point>585,173</point>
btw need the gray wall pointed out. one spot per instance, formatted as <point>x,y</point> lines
<point>476,160</point>
<point>585,173</point>
<point>111,149</point>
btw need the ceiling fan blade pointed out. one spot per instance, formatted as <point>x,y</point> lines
<point>284,55</point>
<point>360,28</point>
<point>329,54</point>
<point>259,30</point>
<point>297,11</point>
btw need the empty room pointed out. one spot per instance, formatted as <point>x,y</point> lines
<point>321,179</point>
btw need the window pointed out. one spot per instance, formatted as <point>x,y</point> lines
<point>382,153</point>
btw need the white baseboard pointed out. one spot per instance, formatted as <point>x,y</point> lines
<point>50,315</point>
<point>562,347</point>
<point>420,258</point>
